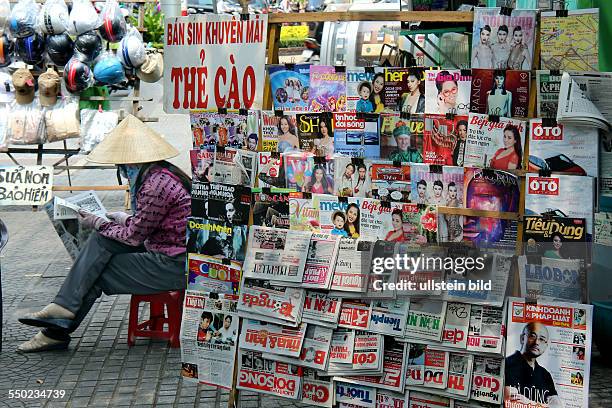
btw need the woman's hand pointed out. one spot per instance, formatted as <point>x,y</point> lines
<point>119,217</point>
<point>90,220</point>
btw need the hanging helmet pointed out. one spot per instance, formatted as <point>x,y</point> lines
<point>113,26</point>
<point>131,51</point>
<point>108,70</point>
<point>60,48</point>
<point>6,51</point>
<point>53,19</point>
<point>83,17</point>
<point>88,46</point>
<point>22,21</point>
<point>30,49</point>
<point>77,76</point>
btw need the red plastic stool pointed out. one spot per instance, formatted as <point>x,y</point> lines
<point>154,327</point>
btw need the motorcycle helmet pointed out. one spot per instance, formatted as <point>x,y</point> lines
<point>30,49</point>
<point>53,19</point>
<point>77,76</point>
<point>6,51</point>
<point>108,70</point>
<point>131,51</point>
<point>22,21</point>
<point>113,26</point>
<point>83,17</point>
<point>88,46</point>
<point>60,48</point>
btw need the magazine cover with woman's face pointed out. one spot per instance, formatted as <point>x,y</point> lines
<point>501,93</point>
<point>447,91</point>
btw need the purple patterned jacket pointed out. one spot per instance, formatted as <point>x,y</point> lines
<point>161,220</point>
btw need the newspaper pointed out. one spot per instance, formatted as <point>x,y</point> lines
<point>488,379</point>
<point>321,309</point>
<point>389,317</point>
<point>426,319</point>
<point>556,338</point>
<point>256,373</point>
<point>271,338</point>
<point>352,267</point>
<point>277,254</point>
<point>349,395</point>
<point>354,315</point>
<point>459,375</point>
<point>235,167</point>
<point>274,304</point>
<point>366,356</point>
<point>209,337</point>
<point>72,233</point>
<point>584,99</point>
<point>415,367</point>
<point>486,331</point>
<point>317,391</point>
<point>417,399</point>
<point>320,261</point>
<point>342,347</point>
<point>549,85</point>
<point>68,208</point>
<point>605,166</point>
<point>553,279</point>
<point>209,274</point>
<point>603,229</point>
<point>456,325</point>
<point>315,349</point>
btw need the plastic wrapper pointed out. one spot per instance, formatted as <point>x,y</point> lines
<point>113,27</point>
<point>22,22</point>
<point>132,52</point>
<point>53,17</point>
<point>26,124</point>
<point>62,120</point>
<point>83,17</point>
<point>108,69</point>
<point>87,46</point>
<point>77,76</point>
<point>5,12</point>
<point>95,125</point>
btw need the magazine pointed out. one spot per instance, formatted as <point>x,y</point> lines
<point>436,185</point>
<point>256,373</point>
<point>352,177</point>
<point>274,304</point>
<point>603,229</point>
<point>271,208</point>
<point>501,41</point>
<point>390,181</point>
<point>401,140</point>
<point>500,93</point>
<point>208,274</point>
<point>444,139</point>
<point>404,90</point>
<point>605,169</point>
<point>199,198</point>
<point>321,309</point>
<point>304,173</point>
<point>548,196</point>
<point>68,208</point>
<point>420,223</point>
<point>487,327</point>
<point>235,166</point>
<point>583,99</point>
<point>356,134</point>
<point>290,86</point>
<point>320,261</point>
<point>303,212</point>
<point>315,133</point>
<point>278,131</point>
<point>327,90</point>
<point>276,254</point>
<point>567,149</point>
<point>447,91</point>
<point>202,162</point>
<point>229,129</point>
<point>377,221</point>
<point>549,86</point>
<point>338,216</point>
<point>561,354</point>
<point>425,319</point>
<point>209,338</point>
<point>271,338</point>
<point>571,41</point>
<point>225,204</point>
<point>558,237</point>
<point>488,379</point>
<point>269,170</point>
<point>415,365</point>
<point>216,239</point>
<point>363,89</point>
<point>496,145</point>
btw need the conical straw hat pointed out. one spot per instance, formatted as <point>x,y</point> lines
<point>132,142</point>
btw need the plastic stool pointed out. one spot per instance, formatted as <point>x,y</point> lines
<point>154,327</point>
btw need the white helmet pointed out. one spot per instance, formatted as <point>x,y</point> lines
<point>83,17</point>
<point>53,18</point>
<point>131,51</point>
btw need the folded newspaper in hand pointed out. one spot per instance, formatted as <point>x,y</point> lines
<point>89,202</point>
<point>584,99</point>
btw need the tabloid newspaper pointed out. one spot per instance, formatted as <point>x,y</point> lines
<point>353,177</point>
<point>342,347</point>
<point>208,274</point>
<point>89,202</point>
<point>290,87</point>
<point>276,254</point>
<point>394,369</point>
<point>303,212</point>
<point>435,369</point>
<point>209,337</point>
<point>552,279</point>
<point>320,261</point>
<point>363,86</point>
<point>316,390</point>
<point>389,317</point>
<point>321,309</point>
<point>356,134</point>
<point>444,139</point>
<point>500,93</point>
<point>271,208</point>
<point>560,148</point>
<point>447,91</point>
<point>549,85</point>
<point>281,305</point>
<point>555,339</point>
<point>390,181</point>
<point>417,399</point>
<point>456,325</point>
<point>424,273</point>
<point>488,379</point>
<point>256,373</point>
<point>486,331</point>
<point>278,132</point>
<point>235,167</point>
<point>349,395</point>
<point>459,375</point>
<point>327,90</point>
<point>501,41</point>
<point>584,99</point>
<point>382,249</point>
<point>425,319</point>
<point>216,239</point>
<point>315,349</point>
<point>366,358</point>
<point>548,196</point>
<point>415,366</point>
<point>352,267</point>
<point>354,315</point>
<point>271,338</point>
<point>495,145</point>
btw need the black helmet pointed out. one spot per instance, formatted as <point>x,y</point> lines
<point>77,76</point>
<point>87,46</point>
<point>113,26</point>
<point>6,51</point>
<point>31,49</point>
<point>60,48</point>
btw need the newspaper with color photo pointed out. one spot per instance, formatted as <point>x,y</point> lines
<point>256,373</point>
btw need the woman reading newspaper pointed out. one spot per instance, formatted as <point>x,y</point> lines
<point>143,253</point>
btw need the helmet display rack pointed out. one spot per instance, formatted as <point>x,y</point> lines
<point>63,164</point>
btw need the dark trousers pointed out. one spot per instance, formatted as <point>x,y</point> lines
<point>108,266</point>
